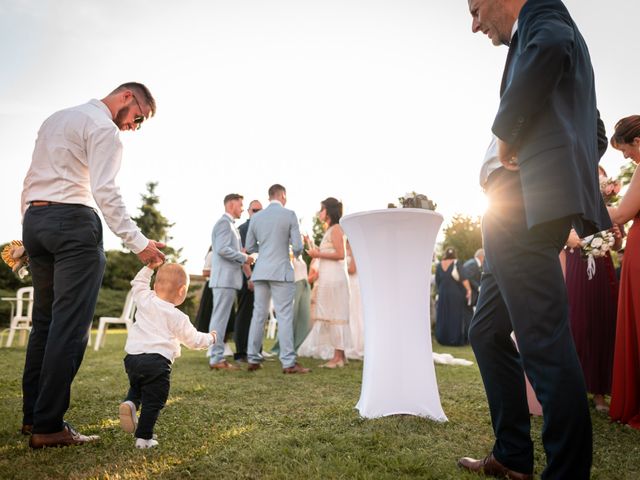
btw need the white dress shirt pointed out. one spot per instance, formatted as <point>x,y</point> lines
<point>490,163</point>
<point>160,327</point>
<point>76,159</point>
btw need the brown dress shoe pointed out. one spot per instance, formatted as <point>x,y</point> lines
<point>26,429</point>
<point>223,365</point>
<point>492,467</point>
<point>65,438</point>
<point>297,368</point>
<point>253,367</point>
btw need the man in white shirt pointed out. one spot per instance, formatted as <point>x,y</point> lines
<point>75,161</point>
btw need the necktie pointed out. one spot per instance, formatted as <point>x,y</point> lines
<point>512,49</point>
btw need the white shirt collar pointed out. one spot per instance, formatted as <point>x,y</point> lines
<point>230,217</point>
<point>514,29</point>
<point>101,106</point>
<point>276,201</point>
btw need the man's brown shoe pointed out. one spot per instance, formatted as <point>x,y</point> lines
<point>492,467</point>
<point>26,429</point>
<point>65,438</point>
<point>297,368</point>
<point>223,365</point>
<point>253,367</point>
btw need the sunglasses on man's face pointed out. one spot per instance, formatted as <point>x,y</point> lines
<point>138,119</point>
<point>255,210</point>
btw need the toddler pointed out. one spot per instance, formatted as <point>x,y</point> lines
<point>153,343</point>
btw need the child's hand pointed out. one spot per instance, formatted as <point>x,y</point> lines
<point>155,264</point>
<point>214,335</point>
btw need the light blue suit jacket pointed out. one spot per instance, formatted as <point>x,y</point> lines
<point>271,231</point>
<point>226,266</point>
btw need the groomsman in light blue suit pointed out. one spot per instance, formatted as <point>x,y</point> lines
<point>226,275</point>
<point>271,232</point>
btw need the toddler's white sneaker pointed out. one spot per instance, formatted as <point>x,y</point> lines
<point>128,416</point>
<point>142,443</point>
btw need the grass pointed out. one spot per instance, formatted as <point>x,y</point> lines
<point>267,425</point>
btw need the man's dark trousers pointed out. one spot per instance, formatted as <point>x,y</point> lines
<point>523,290</point>
<point>64,243</point>
<point>243,320</point>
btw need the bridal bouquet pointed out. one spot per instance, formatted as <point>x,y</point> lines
<point>595,246</point>
<point>415,200</point>
<point>15,256</point>
<point>610,188</point>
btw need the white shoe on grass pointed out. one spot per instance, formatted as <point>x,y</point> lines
<point>142,443</point>
<point>128,416</point>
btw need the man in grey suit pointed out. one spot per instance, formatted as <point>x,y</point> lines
<point>226,275</point>
<point>270,234</point>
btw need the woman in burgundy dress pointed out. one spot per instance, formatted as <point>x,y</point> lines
<point>625,388</point>
<point>592,311</point>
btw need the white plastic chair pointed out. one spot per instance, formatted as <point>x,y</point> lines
<point>21,315</point>
<point>126,319</point>
<point>272,323</point>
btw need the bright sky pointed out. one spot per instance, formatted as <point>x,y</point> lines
<point>363,100</point>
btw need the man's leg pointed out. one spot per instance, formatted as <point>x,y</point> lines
<point>223,299</point>
<point>283,293</point>
<point>262,299</point>
<point>525,265</point>
<point>73,235</point>
<point>503,378</point>
<point>243,320</point>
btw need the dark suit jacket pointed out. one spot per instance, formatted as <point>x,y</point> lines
<point>243,229</point>
<point>548,111</point>
<point>472,272</point>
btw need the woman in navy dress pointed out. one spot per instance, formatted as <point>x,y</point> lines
<point>453,313</point>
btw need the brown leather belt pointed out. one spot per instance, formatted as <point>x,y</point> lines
<point>43,203</point>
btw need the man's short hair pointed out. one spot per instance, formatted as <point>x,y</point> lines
<point>479,253</point>
<point>232,196</point>
<point>144,95</point>
<point>275,189</point>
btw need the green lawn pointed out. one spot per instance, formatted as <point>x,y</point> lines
<point>227,425</point>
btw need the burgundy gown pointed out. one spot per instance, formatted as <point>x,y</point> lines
<point>592,312</point>
<point>625,391</point>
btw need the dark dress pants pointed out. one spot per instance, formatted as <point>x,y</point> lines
<point>523,290</point>
<point>149,382</point>
<point>67,260</point>
<point>243,320</point>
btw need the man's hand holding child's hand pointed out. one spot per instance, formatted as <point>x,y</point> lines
<point>214,335</point>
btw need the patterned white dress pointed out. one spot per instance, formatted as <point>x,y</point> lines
<point>329,307</point>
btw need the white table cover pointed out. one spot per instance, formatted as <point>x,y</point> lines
<point>393,249</point>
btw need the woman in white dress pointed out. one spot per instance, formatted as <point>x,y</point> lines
<point>330,305</point>
<point>356,323</point>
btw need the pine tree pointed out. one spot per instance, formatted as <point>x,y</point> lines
<point>463,234</point>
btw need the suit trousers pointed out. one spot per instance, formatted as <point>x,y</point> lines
<point>223,300</point>
<point>149,382</point>
<point>283,293</point>
<point>67,262</point>
<point>523,290</point>
<point>243,320</point>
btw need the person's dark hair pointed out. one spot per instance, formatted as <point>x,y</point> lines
<point>626,130</point>
<point>232,196</point>
<point>449,253</point>
<point>334,209</point>
<point>275,189</point>
<point>144,95</point>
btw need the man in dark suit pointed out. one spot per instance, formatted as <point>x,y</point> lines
<point>245,296</point>
<point>472,269</point>
<point>540,178</point>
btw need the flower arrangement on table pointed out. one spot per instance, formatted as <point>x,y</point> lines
<point>15,256</point>
<point>596,246</point>
<point>610,188</point>
<point>415,200</point>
